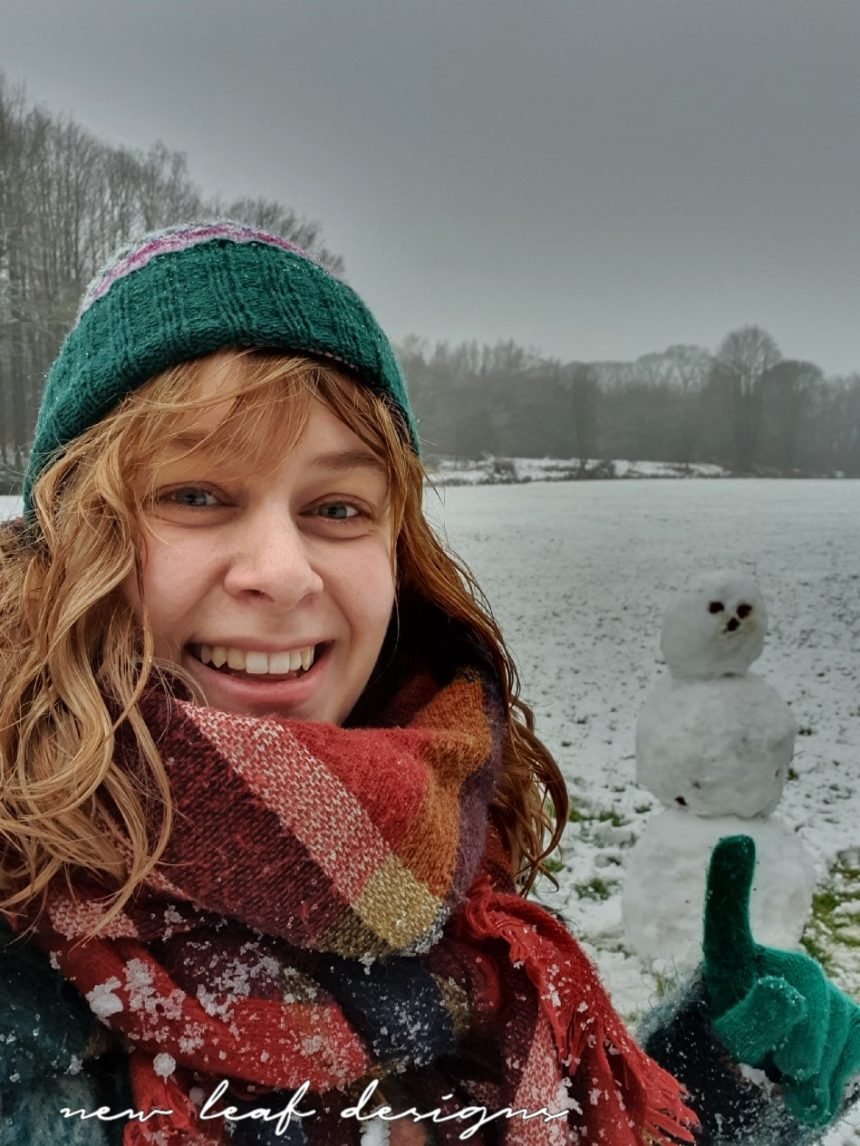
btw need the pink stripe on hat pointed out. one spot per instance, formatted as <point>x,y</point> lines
<point>133,257</point>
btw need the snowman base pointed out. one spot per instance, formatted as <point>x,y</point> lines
<point>664,888</point>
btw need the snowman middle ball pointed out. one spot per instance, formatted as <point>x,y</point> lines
<point>715,747</point>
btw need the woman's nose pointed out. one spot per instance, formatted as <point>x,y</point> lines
<point>272,558</point>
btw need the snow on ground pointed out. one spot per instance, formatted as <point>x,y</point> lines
<point>491,470</point>
<point>579,573</point>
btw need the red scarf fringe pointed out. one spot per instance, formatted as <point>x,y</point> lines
<point>630,1098</point>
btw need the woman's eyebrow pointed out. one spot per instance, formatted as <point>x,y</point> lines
<point>338,461</point>
<point>342,460</point>
<point>189,438</point>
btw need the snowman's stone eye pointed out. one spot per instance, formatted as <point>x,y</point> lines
<point>744,611</point>
<point>715,607</point>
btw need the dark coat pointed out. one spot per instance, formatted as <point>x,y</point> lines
<point>45,1030</point>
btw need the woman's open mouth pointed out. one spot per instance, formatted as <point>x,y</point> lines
<point>259,667</point>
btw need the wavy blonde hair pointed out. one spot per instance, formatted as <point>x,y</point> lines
<point>78,655</point>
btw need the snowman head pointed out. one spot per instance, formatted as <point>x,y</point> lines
<point>715,626</point>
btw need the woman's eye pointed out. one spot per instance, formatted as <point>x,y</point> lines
<point>338,511</point>
<point>191,496</point>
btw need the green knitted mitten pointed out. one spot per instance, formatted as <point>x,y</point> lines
<point>774,1009</point>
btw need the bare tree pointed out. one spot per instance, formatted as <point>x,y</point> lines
<point>741,363</point>
<point>788,393</point>
<point>270,215</point>
<point>67,201</point>
<point>835,429</point>
<point>14,224</point>
<point>579,384</point>
<point>689,370</point>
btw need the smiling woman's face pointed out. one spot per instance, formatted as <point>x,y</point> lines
<point>273,590</point>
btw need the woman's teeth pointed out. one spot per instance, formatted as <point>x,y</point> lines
<point>256,663</point>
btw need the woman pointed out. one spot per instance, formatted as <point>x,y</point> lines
<point>269,795</point>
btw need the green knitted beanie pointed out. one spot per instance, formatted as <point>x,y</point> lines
<point>187,291</point>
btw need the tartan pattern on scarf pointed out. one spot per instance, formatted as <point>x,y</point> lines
<point>332,911</point>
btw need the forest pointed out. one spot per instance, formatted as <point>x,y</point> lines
<point>742,406</point>
<point>68,200</point>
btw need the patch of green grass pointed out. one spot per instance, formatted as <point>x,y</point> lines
<point>579,815</point>
<point>595,888</point>
<point>814,948</point>
<point>665,983</point>
<point>832,935</point>
<point>610,817</point>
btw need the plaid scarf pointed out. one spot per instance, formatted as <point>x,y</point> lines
<point>333,911</point>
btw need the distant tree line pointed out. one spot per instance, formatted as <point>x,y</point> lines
<point>743,406</point>
<point>67,202</point>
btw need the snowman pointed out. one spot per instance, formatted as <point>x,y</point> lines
<point>714,744</point>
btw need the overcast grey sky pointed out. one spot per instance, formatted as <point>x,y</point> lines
<point>596,179</point>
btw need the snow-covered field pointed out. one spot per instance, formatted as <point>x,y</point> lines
<point>578,574</point>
